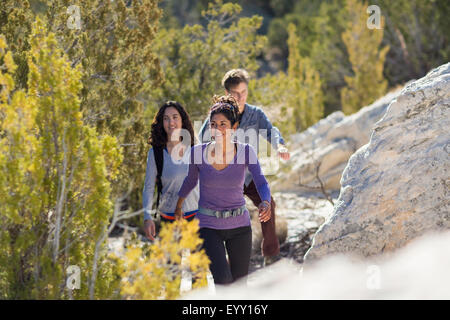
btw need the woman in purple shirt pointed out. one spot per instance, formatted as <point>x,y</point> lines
<point>223,218</point>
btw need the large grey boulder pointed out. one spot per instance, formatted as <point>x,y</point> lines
<point>330,143</point>
<point>396,187</point>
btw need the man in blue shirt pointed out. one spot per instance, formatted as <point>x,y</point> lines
<point>253,122</point>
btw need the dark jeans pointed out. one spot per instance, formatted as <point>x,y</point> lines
<point>237,243</point>
<point>270,245</point>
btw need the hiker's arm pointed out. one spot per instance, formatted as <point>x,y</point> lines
<point>149,185</point>
<point>178,212</point>
<point>189,182</point>
<point>262,186</point>
<point>273,134</point>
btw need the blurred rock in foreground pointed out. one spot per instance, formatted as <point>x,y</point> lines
<point>418,271</point>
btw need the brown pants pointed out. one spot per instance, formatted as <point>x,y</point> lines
<point>269,246</point>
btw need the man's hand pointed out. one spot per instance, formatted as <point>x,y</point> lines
<point>283,153</point>
<point>149,228</point>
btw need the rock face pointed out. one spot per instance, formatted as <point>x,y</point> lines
<point>329,142</point>
<point>396,187</point>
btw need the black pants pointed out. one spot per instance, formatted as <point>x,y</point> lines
<point>237,243</point>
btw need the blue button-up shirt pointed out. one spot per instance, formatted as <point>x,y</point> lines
<point>254,123</point>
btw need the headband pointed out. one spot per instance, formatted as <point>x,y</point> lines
<point>226,106</point>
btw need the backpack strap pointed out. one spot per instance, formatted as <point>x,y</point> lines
<point>158,152</point>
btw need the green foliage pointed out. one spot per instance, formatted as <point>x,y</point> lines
<point>179,13</point>
<point>54,179</point>
<point>303,16</point>
<point>328,54</point>
<point>16,18</point>
<point>195,58</point>
<point>417,33</point>
<point>114,49</point>
<point>154,272</point>
<point>297,94</point>
<point>367,60</point>
<point>305,96</point>
<point>319,25</point>
<point>281,7</point>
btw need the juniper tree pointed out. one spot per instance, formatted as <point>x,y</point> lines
<point>113,45</point>
<point>366,57</point>
<point>305,94</point>
<point>154,272</point>
<point>55,174</point>
<point>195,58</point>
<point>297,93</point>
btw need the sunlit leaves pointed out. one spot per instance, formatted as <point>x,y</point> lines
<point>53,178</point>
<point>195,58</point>
<point>154,272</point>
<point>367,60</point>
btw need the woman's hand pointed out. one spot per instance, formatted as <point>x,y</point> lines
<point>149,228</point>
<point>178,213</point>
<point>264,211</point>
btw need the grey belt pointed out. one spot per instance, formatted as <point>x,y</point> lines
<point>223,213</point>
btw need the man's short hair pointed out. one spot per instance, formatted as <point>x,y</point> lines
<point>234,77</point>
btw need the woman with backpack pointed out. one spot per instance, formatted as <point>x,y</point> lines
<point>167,165</point>
<point>220,167</point>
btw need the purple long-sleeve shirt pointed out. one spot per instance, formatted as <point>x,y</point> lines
<point>223,189</point>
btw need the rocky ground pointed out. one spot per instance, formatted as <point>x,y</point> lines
<point>299,215</point>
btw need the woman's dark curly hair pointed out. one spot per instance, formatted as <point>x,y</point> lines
<point>158,136</point>
<point>226,105</point>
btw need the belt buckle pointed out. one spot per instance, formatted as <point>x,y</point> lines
<point>227,214</point>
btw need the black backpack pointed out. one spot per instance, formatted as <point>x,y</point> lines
<point>158,152</point>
